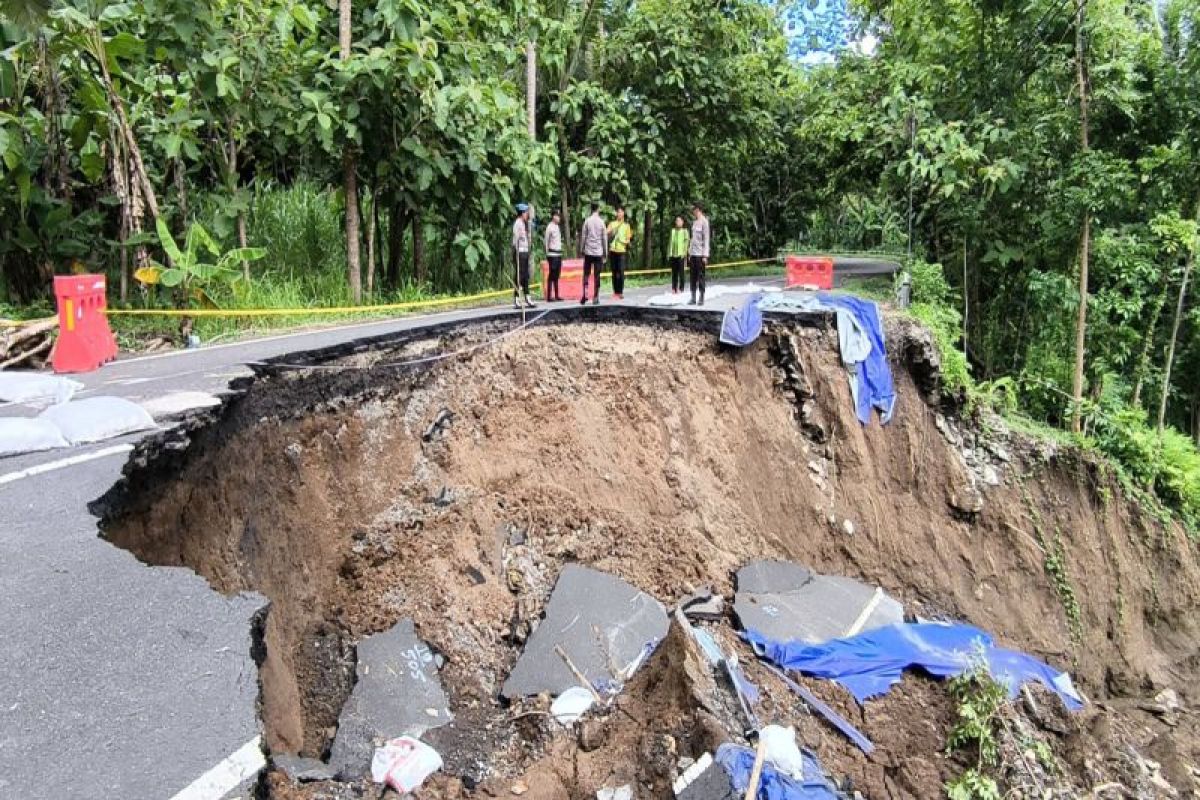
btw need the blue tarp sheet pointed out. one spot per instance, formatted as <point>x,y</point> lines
<point>870,663</point>
<point>860,338</point>
<point>741,326</point>
<point>875,387</point>
<point>738,761</point>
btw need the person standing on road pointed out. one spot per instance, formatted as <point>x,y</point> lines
<point>553,245</point>
<point>520,243</point>
<point>698,250</point>
<point>620,234</point>
<point>593,246</point>
<point>677,254</point>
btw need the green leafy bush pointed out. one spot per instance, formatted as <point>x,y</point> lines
<point>935,303</point>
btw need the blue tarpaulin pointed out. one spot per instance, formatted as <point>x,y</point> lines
<point>741,326</point>
<point>874,375</point>
<point>860,339</point>
<point>870,663</point>
<point>738,761</point>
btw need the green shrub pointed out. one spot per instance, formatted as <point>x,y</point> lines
<point>935,304</point>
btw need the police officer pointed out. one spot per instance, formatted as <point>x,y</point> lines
<point>520,244</point>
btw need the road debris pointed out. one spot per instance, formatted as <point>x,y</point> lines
<point>630,622</point>
<point>572,704</point>
<point>397,692</point>
<point>787,602</point>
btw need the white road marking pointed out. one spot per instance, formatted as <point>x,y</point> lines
<point>228,774</point>
<point>50,466</point>
<point>865,614</point>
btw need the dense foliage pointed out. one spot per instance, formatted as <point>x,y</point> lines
<point>1012,143</point>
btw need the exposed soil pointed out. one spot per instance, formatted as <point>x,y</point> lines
<point>453,492</point>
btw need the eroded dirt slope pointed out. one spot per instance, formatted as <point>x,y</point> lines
<point>452,495</point>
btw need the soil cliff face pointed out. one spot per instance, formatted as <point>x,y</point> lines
<point>453,492</point>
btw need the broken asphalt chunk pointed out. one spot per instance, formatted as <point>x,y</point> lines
<point>787,602</point>
<point>605,625</point>
<point>303,770</point>
<point>397,693</point>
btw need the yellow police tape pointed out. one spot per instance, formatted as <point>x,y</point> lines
<point>415,304</point>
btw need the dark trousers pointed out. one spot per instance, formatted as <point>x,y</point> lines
<point>676,273</point>
<point>522,284</point>
<point>592,265</point>
<point>697,265</point>
<point>555,262</point>
<point>616,263</point>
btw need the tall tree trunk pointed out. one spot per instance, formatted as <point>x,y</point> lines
<point>418,237</point>
<point>1143,363</point>
<point>1085,235</point>
<point>531,87</point>
<point>126,130</point>
<point>372,222</point>
<point>397,222</point>
<point>1165,392</point>
<point>350,170</point>
<point>647,232</point>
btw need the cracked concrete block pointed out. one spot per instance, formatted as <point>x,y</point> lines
<point>583,602</point>
<point>788,602</point>
<point>397,693</point>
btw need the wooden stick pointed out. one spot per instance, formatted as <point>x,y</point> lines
<point>577,672</point>
<point>756,773</point>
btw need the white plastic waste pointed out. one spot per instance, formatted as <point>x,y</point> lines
<point>97,418</point>
<point>572,704</point>
<point>36,388</point>
<point>781,750</point>
<point>28,435</point>
<point>616,793</point>
<point>404,763</point>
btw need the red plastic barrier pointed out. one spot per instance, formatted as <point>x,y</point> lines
<point>570,280</point>
<point>84,339</point>
<point>809,271</point>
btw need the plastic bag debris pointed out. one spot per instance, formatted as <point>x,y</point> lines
<point>35,388</point>
<point>404,763</point>
<point>97,418</point>
<point>617,793</point>
<point>782,751</point>
<point>572,704</point>
<point>25,435</point>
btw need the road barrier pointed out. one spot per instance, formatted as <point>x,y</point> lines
<point>84,339</point>
<point>809,271</point>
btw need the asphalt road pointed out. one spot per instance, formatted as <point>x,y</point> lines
<point>117,679</point>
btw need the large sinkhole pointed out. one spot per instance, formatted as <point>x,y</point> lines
<point>364,485</point>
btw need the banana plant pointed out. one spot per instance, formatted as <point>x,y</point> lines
<point>199,265</point>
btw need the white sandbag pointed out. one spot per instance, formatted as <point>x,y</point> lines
<point>28,435</point>
<point>97,418</point>
<point>36,388</point>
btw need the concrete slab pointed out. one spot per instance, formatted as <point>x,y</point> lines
<point>583,601</point>
<point>789,602</point>
<point>397,693</point>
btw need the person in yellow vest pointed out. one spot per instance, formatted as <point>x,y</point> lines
<point>619,237</point>
<point>677,252</point>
